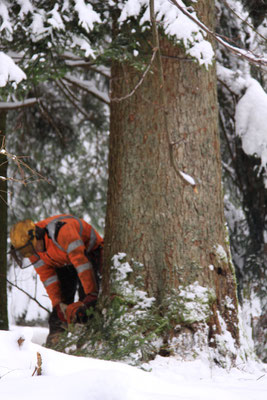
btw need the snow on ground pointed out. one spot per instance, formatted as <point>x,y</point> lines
<point>66,377</point>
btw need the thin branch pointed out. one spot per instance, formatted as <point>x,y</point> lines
<point>68,94</point>
<point>46,115</point>
<point>245,22</point>
<point>84,86</point>
<point>2,198</point>
<point>127,96</point>
<point>68,90</point>
<point>248,55</point>
<point>234,95</point>
<point>27,294</point>
<point>226,138</point>
<point>6,106</point>
<point>260,377</point>
<point>21,165</point>
<point>238,180</point>
<point>88,65</point>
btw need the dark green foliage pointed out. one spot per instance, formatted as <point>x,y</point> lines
<point>70,152</point>
<point>132,327</point>
<point>127,326</point>
<point>113,334</point>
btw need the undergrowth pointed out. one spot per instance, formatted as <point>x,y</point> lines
<point>130,326</point>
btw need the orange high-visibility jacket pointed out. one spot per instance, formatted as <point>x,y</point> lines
<point>67,239</point>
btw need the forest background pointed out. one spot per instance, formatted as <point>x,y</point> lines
<point>56,121</point>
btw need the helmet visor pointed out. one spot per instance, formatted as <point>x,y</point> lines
<point>20,253</point>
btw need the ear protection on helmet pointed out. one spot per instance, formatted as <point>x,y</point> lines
<point>23,239</point>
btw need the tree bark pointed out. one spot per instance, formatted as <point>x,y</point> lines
<point>3,230</point>
<point>152,216</point>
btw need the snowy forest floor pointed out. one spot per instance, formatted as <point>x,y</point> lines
<point>67,377</point>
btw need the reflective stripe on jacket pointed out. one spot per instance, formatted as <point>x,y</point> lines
<point>67,240</point>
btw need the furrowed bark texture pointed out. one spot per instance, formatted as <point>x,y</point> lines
<point>152,215</point>
<point>3,230</point>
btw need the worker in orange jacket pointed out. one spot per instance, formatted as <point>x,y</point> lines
<point>66,253</point>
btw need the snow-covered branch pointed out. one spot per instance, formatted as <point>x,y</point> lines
<point>244,21</point>
<point>72,98</point>
<point>5,106</point>
<point>88,87</point>
<point>248,55</point>
<point>9,71</point>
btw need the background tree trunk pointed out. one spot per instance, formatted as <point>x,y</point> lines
<point>152,215</point>
<point>3,230</point>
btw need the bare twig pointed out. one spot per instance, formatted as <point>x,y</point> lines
<point>233,94</point>
<point>2,198</point>
<point>67,88</point>
<point>8,372</point>
<point>27,294</point>
<point>46,115</point>
<point>21,165</point>
<point>71,97</point>
<point>244,21</point>
<point>127,96</point>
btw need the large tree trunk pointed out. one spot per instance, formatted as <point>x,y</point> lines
<point>179,236</point>
<point>3,230</point>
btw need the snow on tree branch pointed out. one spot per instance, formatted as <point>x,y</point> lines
<point>87,16</point>
<point>248,55</point>
<point>89,87</point>
<point>18,104</point>
<point>176,23</point>
<point>39,23</point>
<point>9,71</point>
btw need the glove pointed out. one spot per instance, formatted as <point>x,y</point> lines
<point>82,315</point>
<point>71,311</point>
<point>81,312</point>
<point>61,311</point>
<point>90,300</point>
<point>77,312</point>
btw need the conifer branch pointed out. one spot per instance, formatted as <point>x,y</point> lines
<point>243,53</point>
<point>6,106</point>
<point>71,98</point>
<point>46,115</point>
<point>84,86</point>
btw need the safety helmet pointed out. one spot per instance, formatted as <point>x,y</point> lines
<point>23,240</point>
